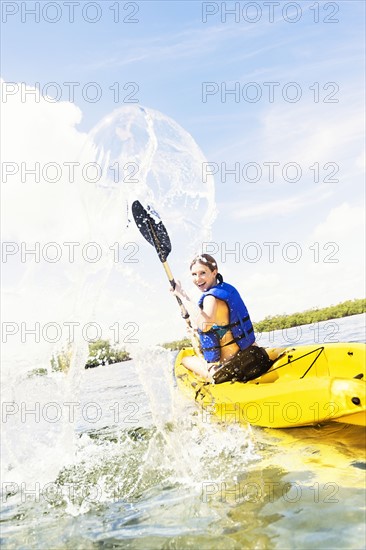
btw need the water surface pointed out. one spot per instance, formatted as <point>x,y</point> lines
<point>116,457</point>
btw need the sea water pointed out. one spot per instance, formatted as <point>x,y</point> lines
<point>128,462</point>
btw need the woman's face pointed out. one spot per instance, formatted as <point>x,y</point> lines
<point>203,277</point>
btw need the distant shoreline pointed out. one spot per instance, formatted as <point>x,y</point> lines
<point>315,315</point>
<point>278,322</point>
<point>101,352</point>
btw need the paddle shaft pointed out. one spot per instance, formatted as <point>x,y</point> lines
<point>169,273</point>
<point>183,310</point>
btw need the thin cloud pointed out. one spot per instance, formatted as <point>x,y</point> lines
<point>191,43</point>
<point>288,205</point>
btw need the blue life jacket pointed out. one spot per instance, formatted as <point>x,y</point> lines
<point>240,324</point>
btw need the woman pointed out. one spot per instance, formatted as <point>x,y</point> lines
<point>224,327</point>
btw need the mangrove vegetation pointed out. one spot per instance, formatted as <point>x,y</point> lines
<point>278,322</point>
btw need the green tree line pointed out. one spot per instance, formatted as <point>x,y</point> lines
<point>344,309</point>
<point>277,322</point>
<point>101,353</point>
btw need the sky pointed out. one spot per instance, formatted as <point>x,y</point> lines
<point>271,95</point>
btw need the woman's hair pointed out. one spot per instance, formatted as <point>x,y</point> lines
<point>206,259</point>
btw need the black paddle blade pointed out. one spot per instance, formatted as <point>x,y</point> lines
<point>152,229</point>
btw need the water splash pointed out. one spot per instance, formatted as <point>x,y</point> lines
<point>141,154</point>
<point>146,155</point>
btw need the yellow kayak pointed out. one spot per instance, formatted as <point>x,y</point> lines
<point>307,385</point>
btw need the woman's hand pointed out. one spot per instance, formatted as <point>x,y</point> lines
<point>195,341</point>
<point>178,291</point>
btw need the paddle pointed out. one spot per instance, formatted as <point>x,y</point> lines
<point>153,230</point>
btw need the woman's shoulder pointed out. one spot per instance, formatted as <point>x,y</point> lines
<point>221,290</point>
<point>226,287</point>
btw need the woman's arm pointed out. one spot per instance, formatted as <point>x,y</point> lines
<point>191,307</point>
<point>207,316</point>
<point>202,318</point>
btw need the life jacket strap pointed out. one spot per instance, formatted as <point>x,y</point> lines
<point>232,325</point>
<point>228,343</point>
